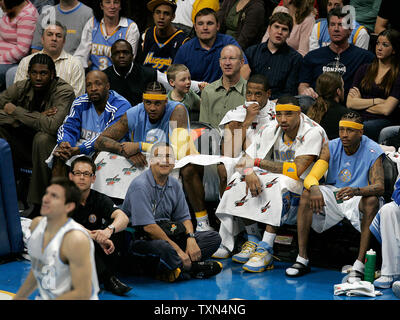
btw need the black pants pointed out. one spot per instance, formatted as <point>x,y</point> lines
<point>150,257</point>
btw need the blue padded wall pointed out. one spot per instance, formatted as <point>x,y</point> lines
<point>10,222</point>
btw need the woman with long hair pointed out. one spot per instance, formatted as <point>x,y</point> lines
<point>303,14</point>
<point>101,31</point>
<point>376,87</point>
<point>328,108</point>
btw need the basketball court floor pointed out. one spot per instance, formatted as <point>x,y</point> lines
<point>231,283</point>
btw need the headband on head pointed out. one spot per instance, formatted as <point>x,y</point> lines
<point>287,107</point>
<point>351,124</point>
<point>152,96</point>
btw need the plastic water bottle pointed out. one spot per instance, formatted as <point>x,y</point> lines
<point>369,270</point>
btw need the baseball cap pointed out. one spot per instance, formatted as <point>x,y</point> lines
<point>151,5</point>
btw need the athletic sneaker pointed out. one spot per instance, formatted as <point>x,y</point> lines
<point>169,276</point>
<point>248,248</point>
<point>205,269</point>
<point>396,288</point>
<point>385,282</point>
<point>261,259</point>
<point>203,224</point>
<point>221,253</point>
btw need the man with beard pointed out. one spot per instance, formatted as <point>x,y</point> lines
<point>90,115</point>
<point>31,112</point>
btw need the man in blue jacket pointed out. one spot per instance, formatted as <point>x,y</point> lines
<point>90,114</point>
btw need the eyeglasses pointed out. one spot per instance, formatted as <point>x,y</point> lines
<point>85,174</point>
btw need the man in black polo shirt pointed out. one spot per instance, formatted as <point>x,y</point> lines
<point>95,211</point>
<point>127,77</point>
<point>276,59</point>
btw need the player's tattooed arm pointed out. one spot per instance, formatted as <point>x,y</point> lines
<point>303,162</point>
<point>325,154</point>
<point>376,185</point>
<point>108,140</point>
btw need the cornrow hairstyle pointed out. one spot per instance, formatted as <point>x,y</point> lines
<point>353,116</point>
<point>155,86</point>
<point>42,58</point>
<point>288,100</point>
<point>259,79</point>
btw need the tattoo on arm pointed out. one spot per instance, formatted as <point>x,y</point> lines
<point>376,180</point>
<point>272,166</point>
<point>303,162</point>
<point>180,117</point>
<point>109,139</point>
<point>325,154</point>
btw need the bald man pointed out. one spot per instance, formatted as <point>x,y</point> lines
<point>90,114</point>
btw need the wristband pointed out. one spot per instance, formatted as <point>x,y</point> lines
<point>257,162</point>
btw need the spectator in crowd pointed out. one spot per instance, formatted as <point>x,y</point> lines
<point>353,185</point>
<point>376,87</point>
<point>31,112</point>
<point>201,54</point>
<point>40,4</point>
<point>320,36</point>
<point>186,10</point>
<point>162,41</point>
<point>328,108</point>
<point>340,56</point>
<point>275,59</point>
<point>228,91</point>
<point>129,78</point>
<point>72,14</point>
<point>302,12</point>
<point>387,17</point>
<point>16,31</point>
<point>257,197</point>
<point>155,201</point>
<point>68,67</point>
<point>366,12</point>
<point>62,247</point>
<point>101,31</point>
<point>179,78</point>
<point>244,20</point>
<point>104,221</point>
<point>90,115</point>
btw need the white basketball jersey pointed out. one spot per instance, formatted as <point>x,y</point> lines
<point>53,276</point>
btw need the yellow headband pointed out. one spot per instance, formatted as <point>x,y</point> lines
<point>287,107</point>
<point>351,124</point>
<point>151,96</point>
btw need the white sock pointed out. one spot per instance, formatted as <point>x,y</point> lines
<point>269,238</point>
<point>302,260</point>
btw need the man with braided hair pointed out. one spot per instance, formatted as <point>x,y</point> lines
<point>31,112</point>
<point>267,185</point>
<point>354,182</point>
<point>157,119</point>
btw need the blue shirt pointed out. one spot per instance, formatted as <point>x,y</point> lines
<point>353,170</point>
<point>142,130</point>
<point>281,68</point>
<point>84,124</point>
<point>204,64</point>
<point>324,59</point>
<point>146,202</point>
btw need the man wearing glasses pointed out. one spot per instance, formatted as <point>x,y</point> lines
<point>90,114</point>
<point>103,221</point>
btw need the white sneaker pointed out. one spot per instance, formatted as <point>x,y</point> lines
<point>203,225</point>
<point>396,288</point>
<point>248,248</point>
<point>385,282</point>
<point>221,253</point>
<point>261,259</point>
